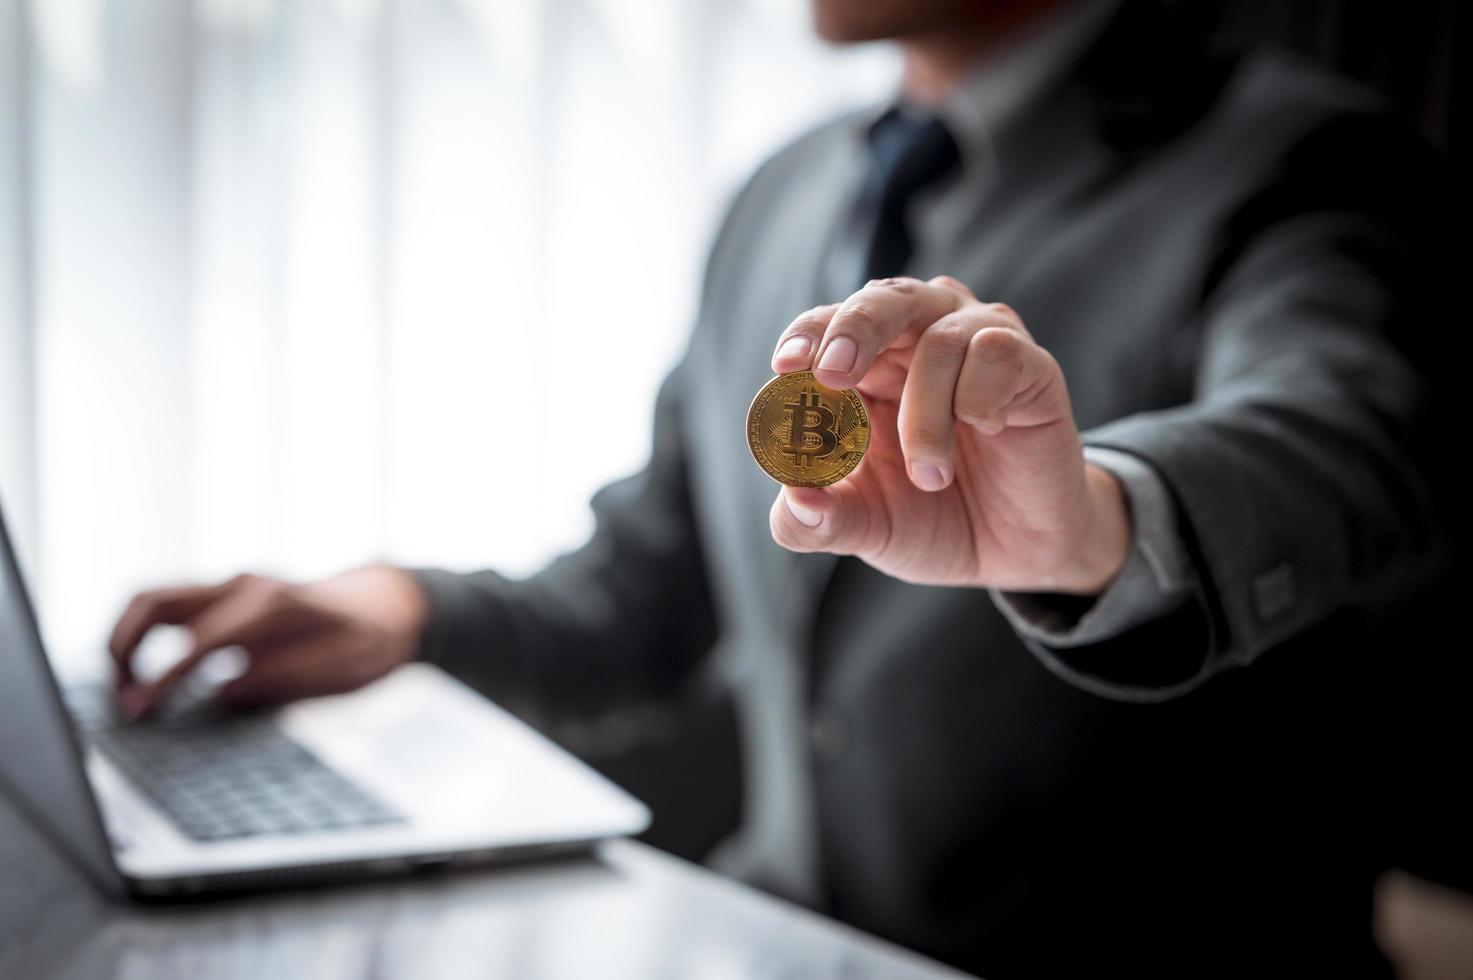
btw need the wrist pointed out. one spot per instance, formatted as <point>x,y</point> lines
<point>404,598</point>
<point>386,595</point>
<point>1107,537</point>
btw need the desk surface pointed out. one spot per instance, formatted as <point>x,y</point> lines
<point>628,912</point>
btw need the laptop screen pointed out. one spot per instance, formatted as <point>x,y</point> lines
<point>40,757</point>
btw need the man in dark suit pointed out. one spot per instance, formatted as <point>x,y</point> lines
<point>1065,678</point>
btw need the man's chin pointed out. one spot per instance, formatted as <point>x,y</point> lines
<point>841,22</point>
<point>849,37</point>
<point>852,21</point>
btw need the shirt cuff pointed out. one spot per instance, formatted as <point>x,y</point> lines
<point>1156,578</point>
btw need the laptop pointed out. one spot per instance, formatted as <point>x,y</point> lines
<point>415,771</point>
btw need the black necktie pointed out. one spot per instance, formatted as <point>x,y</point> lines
<point>909,152</point>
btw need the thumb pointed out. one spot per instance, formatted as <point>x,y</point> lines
<point>812,519</point>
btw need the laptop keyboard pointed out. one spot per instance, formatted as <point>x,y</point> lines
<point>224,776</point>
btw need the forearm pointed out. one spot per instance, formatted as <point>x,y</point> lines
<point>1306,470</point>
<point>1299,502</point>
<point>569,639</point>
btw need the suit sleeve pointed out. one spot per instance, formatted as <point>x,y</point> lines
<point>624,618</point>
<point>1304,472</point>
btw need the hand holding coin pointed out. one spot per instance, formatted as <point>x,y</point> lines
<point>973,472</point>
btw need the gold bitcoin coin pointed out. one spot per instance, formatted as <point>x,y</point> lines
<point>804,434</point>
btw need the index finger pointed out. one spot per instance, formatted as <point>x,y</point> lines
<point>156,608</point>
<point>879,316</point>
<point>257,612</point>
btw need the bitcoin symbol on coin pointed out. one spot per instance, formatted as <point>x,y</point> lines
<point>804,434</point>
<point>806,408</point>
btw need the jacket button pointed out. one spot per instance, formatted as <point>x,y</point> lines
<point>828,734</point>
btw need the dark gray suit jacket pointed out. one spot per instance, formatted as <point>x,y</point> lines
<point>1230,258</point>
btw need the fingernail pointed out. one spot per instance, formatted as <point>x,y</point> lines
<point>806,517</point>
<point>926,476</point>
<point>839,355</point>
<point>793,347</point>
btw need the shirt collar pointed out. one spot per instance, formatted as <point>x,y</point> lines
<point>1003,85</point>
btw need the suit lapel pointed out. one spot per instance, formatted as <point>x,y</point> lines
<point>791,275</point>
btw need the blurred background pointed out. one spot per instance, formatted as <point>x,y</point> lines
<point>287,283</point>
